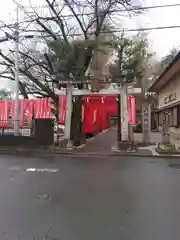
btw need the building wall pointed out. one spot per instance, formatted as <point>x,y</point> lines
<point>168,113</point>
<point>170,94</point>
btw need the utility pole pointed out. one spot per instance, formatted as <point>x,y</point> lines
<point>122,98</point>
<point>146,114</point>
<point>119,97</point>
<point>16,117</point>
<point>16,38</point>
<point>124,112</point>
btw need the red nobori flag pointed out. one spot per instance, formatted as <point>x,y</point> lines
<point>30,109</point>
<point>22,112</point>
<point>4,113</point>
<point>62,109</point>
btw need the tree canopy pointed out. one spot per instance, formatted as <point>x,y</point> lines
<point>5,94</point>
<point>72,30</point>
<point>132,57</point>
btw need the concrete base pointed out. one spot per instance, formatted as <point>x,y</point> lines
<point>124,146</point>
<point>115,149</point>
<point>166,149</point>
<point>70,145</point>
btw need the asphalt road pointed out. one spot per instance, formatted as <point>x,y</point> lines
<point>84,198</point>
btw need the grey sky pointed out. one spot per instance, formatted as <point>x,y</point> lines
<point>162,40</point>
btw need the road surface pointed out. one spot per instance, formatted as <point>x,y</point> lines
<point>78,198</point>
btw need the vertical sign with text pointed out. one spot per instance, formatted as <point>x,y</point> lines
<point>146,122</point>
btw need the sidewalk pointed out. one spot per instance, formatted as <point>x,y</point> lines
<point>155,137</point>
<point>105,142</point>
<point>101,143</point>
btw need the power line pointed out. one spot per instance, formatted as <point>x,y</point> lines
<point>106,32</point>
<point>103,32</point>
<point>10,26</point>
<point>116,30</point>
<point>118,10</point>
<point>22,8</point>
<point>134,8</point>
<point>87,14</point>
<point>149,29</point>
<point>112,11</point>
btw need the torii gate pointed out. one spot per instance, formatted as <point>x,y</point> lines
<point>111,90</point>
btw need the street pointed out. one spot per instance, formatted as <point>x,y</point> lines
<point>77,198</point>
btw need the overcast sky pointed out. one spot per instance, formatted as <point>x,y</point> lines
<point>162,40</point>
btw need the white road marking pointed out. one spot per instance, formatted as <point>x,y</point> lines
<point>30,170</point>
<point>16,168</point>
<point>41,170</point>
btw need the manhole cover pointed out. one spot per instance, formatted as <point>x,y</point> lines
<point>43,196</point>
<point>174,165</point>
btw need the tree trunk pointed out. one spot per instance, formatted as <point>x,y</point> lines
<point>56,113</point>
<point>76,122</point>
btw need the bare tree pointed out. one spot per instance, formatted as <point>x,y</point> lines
<point>66,24</point>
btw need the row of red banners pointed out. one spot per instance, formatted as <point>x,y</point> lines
<point>41,108</point>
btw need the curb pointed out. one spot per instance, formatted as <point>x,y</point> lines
<point>74,153</point>
<point>78,154</point>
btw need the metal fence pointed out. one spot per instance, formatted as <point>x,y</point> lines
<point>7,127</point>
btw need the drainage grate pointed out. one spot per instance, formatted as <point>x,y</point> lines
<point>175,165</point>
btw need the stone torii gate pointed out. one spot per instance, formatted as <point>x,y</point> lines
<point>111,90</point>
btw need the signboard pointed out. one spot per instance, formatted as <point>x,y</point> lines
<point>170,98</point>
<point>146,121</point>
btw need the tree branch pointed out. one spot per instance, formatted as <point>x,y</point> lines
<point>77,18</point>
<point>46,29</point>
<point>29,76</point>
<point>58,21</point>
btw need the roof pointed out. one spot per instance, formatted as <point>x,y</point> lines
<point>166,76</point>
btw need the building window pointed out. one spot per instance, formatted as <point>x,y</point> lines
<point>160,118</point>
<point>165,117</point>
<point>170,117</point>
<point>178,116</point>
<point>175,116</point>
